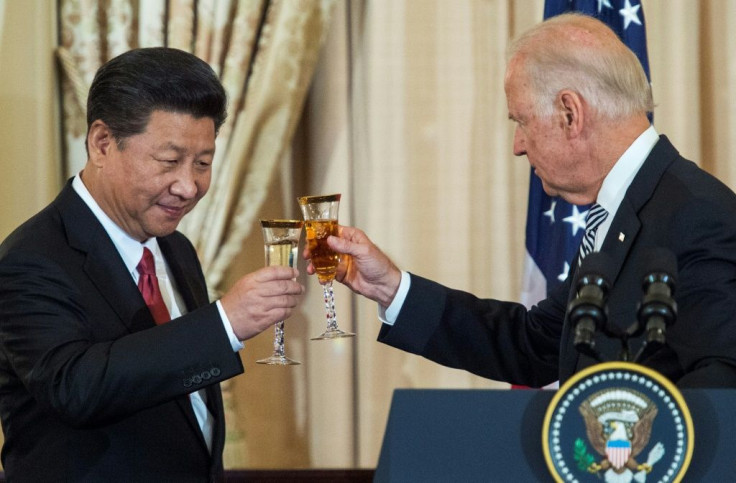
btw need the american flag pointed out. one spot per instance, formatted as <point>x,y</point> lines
<point>554,227</point>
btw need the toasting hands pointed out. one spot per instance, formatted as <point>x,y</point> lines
<point>363,267</point>
<point>260,299</point>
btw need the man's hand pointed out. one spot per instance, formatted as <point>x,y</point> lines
<point>363,268</point>
<point>260,299</point>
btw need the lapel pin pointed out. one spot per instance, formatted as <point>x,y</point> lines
<point>621,236</point>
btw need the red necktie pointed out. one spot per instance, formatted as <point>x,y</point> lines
<point>148,285</point>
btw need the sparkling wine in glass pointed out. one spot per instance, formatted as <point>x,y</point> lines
<point>320,221</point>
<point>280,242</point>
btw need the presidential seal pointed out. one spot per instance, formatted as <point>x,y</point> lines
<point>618,422</point>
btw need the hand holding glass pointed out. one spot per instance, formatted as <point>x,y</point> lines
<point>320,221</point>
<point>281,242</point>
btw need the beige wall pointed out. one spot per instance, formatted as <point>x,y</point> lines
<point>29,120</point>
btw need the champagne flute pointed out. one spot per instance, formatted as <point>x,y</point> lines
<point>320,221</point>
<point>280,242</point>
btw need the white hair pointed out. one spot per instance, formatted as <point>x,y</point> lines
<point>577,52</point>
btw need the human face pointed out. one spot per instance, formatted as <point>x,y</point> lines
<point>543,140</point>
<point>159,176</point>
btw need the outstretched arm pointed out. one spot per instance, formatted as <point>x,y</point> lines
<point>363,268</point>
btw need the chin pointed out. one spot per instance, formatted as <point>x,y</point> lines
<point>163,229</point>
<point>549,191</point>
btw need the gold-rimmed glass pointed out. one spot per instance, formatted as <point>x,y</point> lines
<point>320,221</point>
<point>280,243</point>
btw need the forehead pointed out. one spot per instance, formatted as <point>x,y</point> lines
<point>516,85</point>
<point>167,128</point>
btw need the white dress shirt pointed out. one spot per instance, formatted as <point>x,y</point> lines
<point>131,251</point>
<point>611,194</point>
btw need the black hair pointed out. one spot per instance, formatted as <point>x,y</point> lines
<point>129,87</point>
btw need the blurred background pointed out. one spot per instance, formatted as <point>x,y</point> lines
<point>396,104</point>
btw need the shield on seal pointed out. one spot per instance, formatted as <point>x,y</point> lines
<point>618,452</point>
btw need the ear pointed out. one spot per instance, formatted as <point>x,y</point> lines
<point>572,113</point>
<point>99,142</point>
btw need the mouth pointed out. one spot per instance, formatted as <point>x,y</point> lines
<point>175,212</point>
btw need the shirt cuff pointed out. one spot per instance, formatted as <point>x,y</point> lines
<point>234,342</point>
<point>388,315</point>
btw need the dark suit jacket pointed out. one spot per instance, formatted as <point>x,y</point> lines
<point>90,388</point>
<point>671,203</point>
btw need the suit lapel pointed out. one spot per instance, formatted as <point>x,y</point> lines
<point>103,265</point>
<point>185,274</point>
<point>626,224</point>
<point>621,236</point>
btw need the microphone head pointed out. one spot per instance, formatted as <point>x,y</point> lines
<point>659,264</point>
<point>595,269</point>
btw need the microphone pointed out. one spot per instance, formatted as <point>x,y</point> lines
<point>588,311</point>
<point>658,308</point>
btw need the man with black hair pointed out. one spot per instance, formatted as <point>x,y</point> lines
<point>111,353</point>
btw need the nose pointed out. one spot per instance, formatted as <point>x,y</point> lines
<point>519,142</point>
<point>186,184</point>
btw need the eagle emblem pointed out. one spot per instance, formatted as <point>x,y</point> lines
<point>618,423</point>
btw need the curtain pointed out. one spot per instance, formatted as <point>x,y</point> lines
<point>2,19</point>
<point>425,147</point>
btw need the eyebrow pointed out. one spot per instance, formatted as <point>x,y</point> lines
<point>181,150</point>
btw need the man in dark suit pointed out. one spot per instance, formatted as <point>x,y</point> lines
<point>94,385</point>
<point>580,100</point>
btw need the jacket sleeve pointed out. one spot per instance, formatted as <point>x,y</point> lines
<point>490,338</point>
<point>77,358</point>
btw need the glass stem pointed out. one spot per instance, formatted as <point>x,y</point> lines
<point>330,306</point>
<point>278,339</point>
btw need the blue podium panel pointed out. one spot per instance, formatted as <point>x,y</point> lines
<point>496,435</point>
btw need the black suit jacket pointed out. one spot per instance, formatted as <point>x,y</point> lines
<point>671,203</point>
<point>90,388</point>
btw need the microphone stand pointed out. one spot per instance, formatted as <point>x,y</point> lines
<point>588,312</point>
<point>657,311</point>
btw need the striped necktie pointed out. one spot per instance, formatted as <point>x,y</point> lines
<point>596,215</point>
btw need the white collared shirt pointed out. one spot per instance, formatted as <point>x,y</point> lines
<point>610,196</point>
